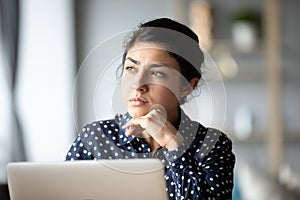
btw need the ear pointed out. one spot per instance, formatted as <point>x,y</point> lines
<point>186,90</point>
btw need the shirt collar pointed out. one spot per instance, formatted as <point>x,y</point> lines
<point>122,120</point>
<point>187,128</point>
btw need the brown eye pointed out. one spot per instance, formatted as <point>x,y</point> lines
<point>158,74</point>
<point>130,69</point>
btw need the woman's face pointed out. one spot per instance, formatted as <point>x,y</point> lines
<point>150,77</point>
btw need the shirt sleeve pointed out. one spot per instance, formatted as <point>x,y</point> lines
<point>205,172</point>
<point>78,150</point>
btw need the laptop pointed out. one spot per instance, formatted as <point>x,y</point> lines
<point>87,180</point>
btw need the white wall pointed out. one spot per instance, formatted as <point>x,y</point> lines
<point>5,117</point>
<point>46,68</point>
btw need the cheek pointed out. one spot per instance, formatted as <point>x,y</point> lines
<point>125,88</point>
<point>165,94</point>
<point>171,89</point>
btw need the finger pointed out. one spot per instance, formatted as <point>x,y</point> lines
<point>159,109</point>
<point>134,130</point>
<point>156,111</point>
<point>127,125</point>
<point>157,119</point>
<point>143,121</point>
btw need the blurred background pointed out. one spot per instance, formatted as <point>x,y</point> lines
<point>253,43</point>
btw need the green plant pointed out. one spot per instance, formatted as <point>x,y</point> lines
<point>247,14</point>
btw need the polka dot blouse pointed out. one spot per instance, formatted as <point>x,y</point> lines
<point>200,168</point>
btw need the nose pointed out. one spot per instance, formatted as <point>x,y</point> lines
<point>140,82</point>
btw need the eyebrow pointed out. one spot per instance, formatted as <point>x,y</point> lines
<point>151,65</point>
<point>133,60</point>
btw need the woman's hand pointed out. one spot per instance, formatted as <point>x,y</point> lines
<point>156,125</point>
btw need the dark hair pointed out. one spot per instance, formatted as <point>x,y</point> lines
<point>179,40</point>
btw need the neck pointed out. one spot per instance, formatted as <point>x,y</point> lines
<point>176,121</point>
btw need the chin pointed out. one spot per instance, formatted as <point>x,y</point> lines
<point>137,112</point>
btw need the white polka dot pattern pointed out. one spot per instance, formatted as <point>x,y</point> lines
<point>200,168</point>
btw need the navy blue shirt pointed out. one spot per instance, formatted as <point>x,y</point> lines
<point>200,168</point>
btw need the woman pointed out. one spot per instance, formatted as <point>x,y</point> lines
<point>161,66</point>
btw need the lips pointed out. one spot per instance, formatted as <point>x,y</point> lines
<point>137,101</point>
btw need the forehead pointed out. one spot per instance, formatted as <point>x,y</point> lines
<point>152,53</point>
